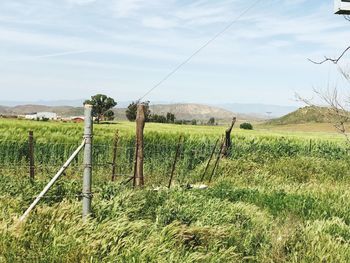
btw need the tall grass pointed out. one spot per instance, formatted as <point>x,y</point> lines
<point>273,200</point>
<point>257,215</point>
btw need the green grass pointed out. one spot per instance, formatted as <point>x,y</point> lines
<point>253,212</point>
<point>272,200</point>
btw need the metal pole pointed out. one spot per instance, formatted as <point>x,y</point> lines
<point>31,155</point>
<point>87,196</point>
<point>53,180</point>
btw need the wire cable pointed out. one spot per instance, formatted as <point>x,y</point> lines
<point>200,49</point>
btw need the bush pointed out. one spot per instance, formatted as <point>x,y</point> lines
<point>246,126</point>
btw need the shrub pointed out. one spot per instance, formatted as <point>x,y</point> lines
<point>246,126</point>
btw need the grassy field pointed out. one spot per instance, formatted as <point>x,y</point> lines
<point>273,200</point>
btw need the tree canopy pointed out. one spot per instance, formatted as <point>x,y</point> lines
<point>131,111</point>
<point>102,107</point>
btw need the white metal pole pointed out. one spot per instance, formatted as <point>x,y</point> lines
<point>87,196</point>
<point>53,180</point>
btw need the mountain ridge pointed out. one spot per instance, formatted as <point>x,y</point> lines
<point>186,111</point>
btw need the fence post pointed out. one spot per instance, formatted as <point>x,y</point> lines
<point>31,155</point>
<point>217,160</point>
<point>228,142</point>
<point>140,125</point>
<point>175,161</point>
<point>88,128</point>
<point>114,158</point>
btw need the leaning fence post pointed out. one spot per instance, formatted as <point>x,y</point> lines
<point>175,161</point>
<point>217,160</point>
<point>52,181</point>
<point>87,179</point>
<point>210,158</point>
<point>114,158</point>
<point>140,125</point>
<point>31,155</point>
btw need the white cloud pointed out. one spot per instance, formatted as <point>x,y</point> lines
<point>125,8</point>
<point>80,2</point>
<point>159,22</point>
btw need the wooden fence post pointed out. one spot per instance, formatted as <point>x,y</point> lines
<point>31,155</point>
<point>228,141</point>
<point>114,158</point>
<point>140,125</point>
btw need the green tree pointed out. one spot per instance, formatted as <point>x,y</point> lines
<point>211,121</point>
<point>131,111</point>
<point>109,115</point>
<point>170,117</point>
<point>246,126</point>
<point>101,106</point>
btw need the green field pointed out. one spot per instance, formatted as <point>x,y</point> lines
<point>279,197</point>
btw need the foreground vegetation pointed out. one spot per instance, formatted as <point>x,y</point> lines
<point>272,200</point>
<point>292,210</point>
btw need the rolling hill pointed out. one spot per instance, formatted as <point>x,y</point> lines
<point>308,114</point>
<point>186,111</point>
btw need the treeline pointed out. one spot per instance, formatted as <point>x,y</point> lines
<point>131,112</point>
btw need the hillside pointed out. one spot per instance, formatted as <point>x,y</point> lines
<point>182,111</point>
<point>63,111</point>
<point>308,114</point>
<point>191,111</point>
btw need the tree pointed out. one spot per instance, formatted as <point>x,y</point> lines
<point>132,110</point>
<point>109,115</point>
<point>101,106</point>
<point>246,126</point>
<point>338,111</point>
<point>211,121</point>
<point>170,117</point>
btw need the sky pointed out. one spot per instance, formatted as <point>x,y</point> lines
<point>72,49</point>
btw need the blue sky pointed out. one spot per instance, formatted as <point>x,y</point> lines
<point>71,49</point>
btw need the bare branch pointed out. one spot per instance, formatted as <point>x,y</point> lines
<point>347,17</point>
<point>334,112</point>
<point>333,60</point>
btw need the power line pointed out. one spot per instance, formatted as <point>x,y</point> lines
<point>200,49</point>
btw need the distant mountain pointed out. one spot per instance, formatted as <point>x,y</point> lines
<point>63,111</point>
<point>309,114</point>
<point>185,111</point>
<point>189,111</point>
<point>251,109</point>
<point>53,103</point>
<point>259,110</point>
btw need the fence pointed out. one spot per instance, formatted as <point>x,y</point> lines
<point>159,155</point>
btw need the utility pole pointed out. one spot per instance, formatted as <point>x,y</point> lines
<point>87,179</point>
